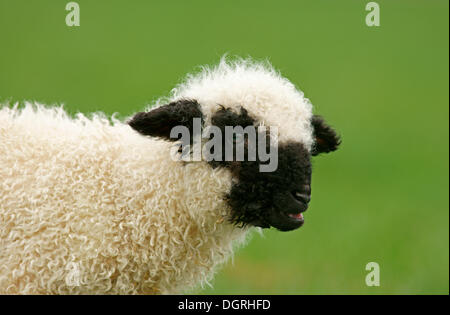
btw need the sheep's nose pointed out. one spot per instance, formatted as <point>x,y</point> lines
<point>305,198</point>
<point>304,194</point>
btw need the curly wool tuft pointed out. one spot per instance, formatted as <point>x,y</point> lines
<point>270,98</point>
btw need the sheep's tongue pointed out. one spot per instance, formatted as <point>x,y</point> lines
<point>298,216</point>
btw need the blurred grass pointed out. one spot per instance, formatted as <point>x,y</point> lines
<point>383,197</point>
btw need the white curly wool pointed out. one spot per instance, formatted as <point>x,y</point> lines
<point>90,206</point>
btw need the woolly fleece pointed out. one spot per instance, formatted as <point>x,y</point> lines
<point>87,205</point>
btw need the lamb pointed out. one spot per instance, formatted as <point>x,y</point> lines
<point>98,206</point>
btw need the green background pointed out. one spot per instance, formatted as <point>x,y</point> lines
<point>383,197</point>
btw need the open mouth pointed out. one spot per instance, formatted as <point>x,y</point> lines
<point>296,216</point>
<point>301,200</point>
<point>287,215</point>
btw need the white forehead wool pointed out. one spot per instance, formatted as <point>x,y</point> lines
<point>262,91</point>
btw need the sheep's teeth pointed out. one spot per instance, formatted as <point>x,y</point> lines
<point>298,216</point>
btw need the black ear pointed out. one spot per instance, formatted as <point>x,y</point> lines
<point>326,139</point>
<point>160,121</point>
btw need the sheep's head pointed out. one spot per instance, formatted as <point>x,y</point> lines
<point>249,95</point>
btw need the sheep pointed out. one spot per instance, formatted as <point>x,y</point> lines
<point>96,205</point>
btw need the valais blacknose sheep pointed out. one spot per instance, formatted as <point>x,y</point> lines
<point>96,205</point>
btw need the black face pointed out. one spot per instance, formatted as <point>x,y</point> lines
<point>275,198</point>
<point>265,199</point>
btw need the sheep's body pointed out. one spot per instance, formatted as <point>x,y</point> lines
<point>90,207</point>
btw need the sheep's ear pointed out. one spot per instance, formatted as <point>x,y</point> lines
<point>160,121</point>
<point>326,139</point>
